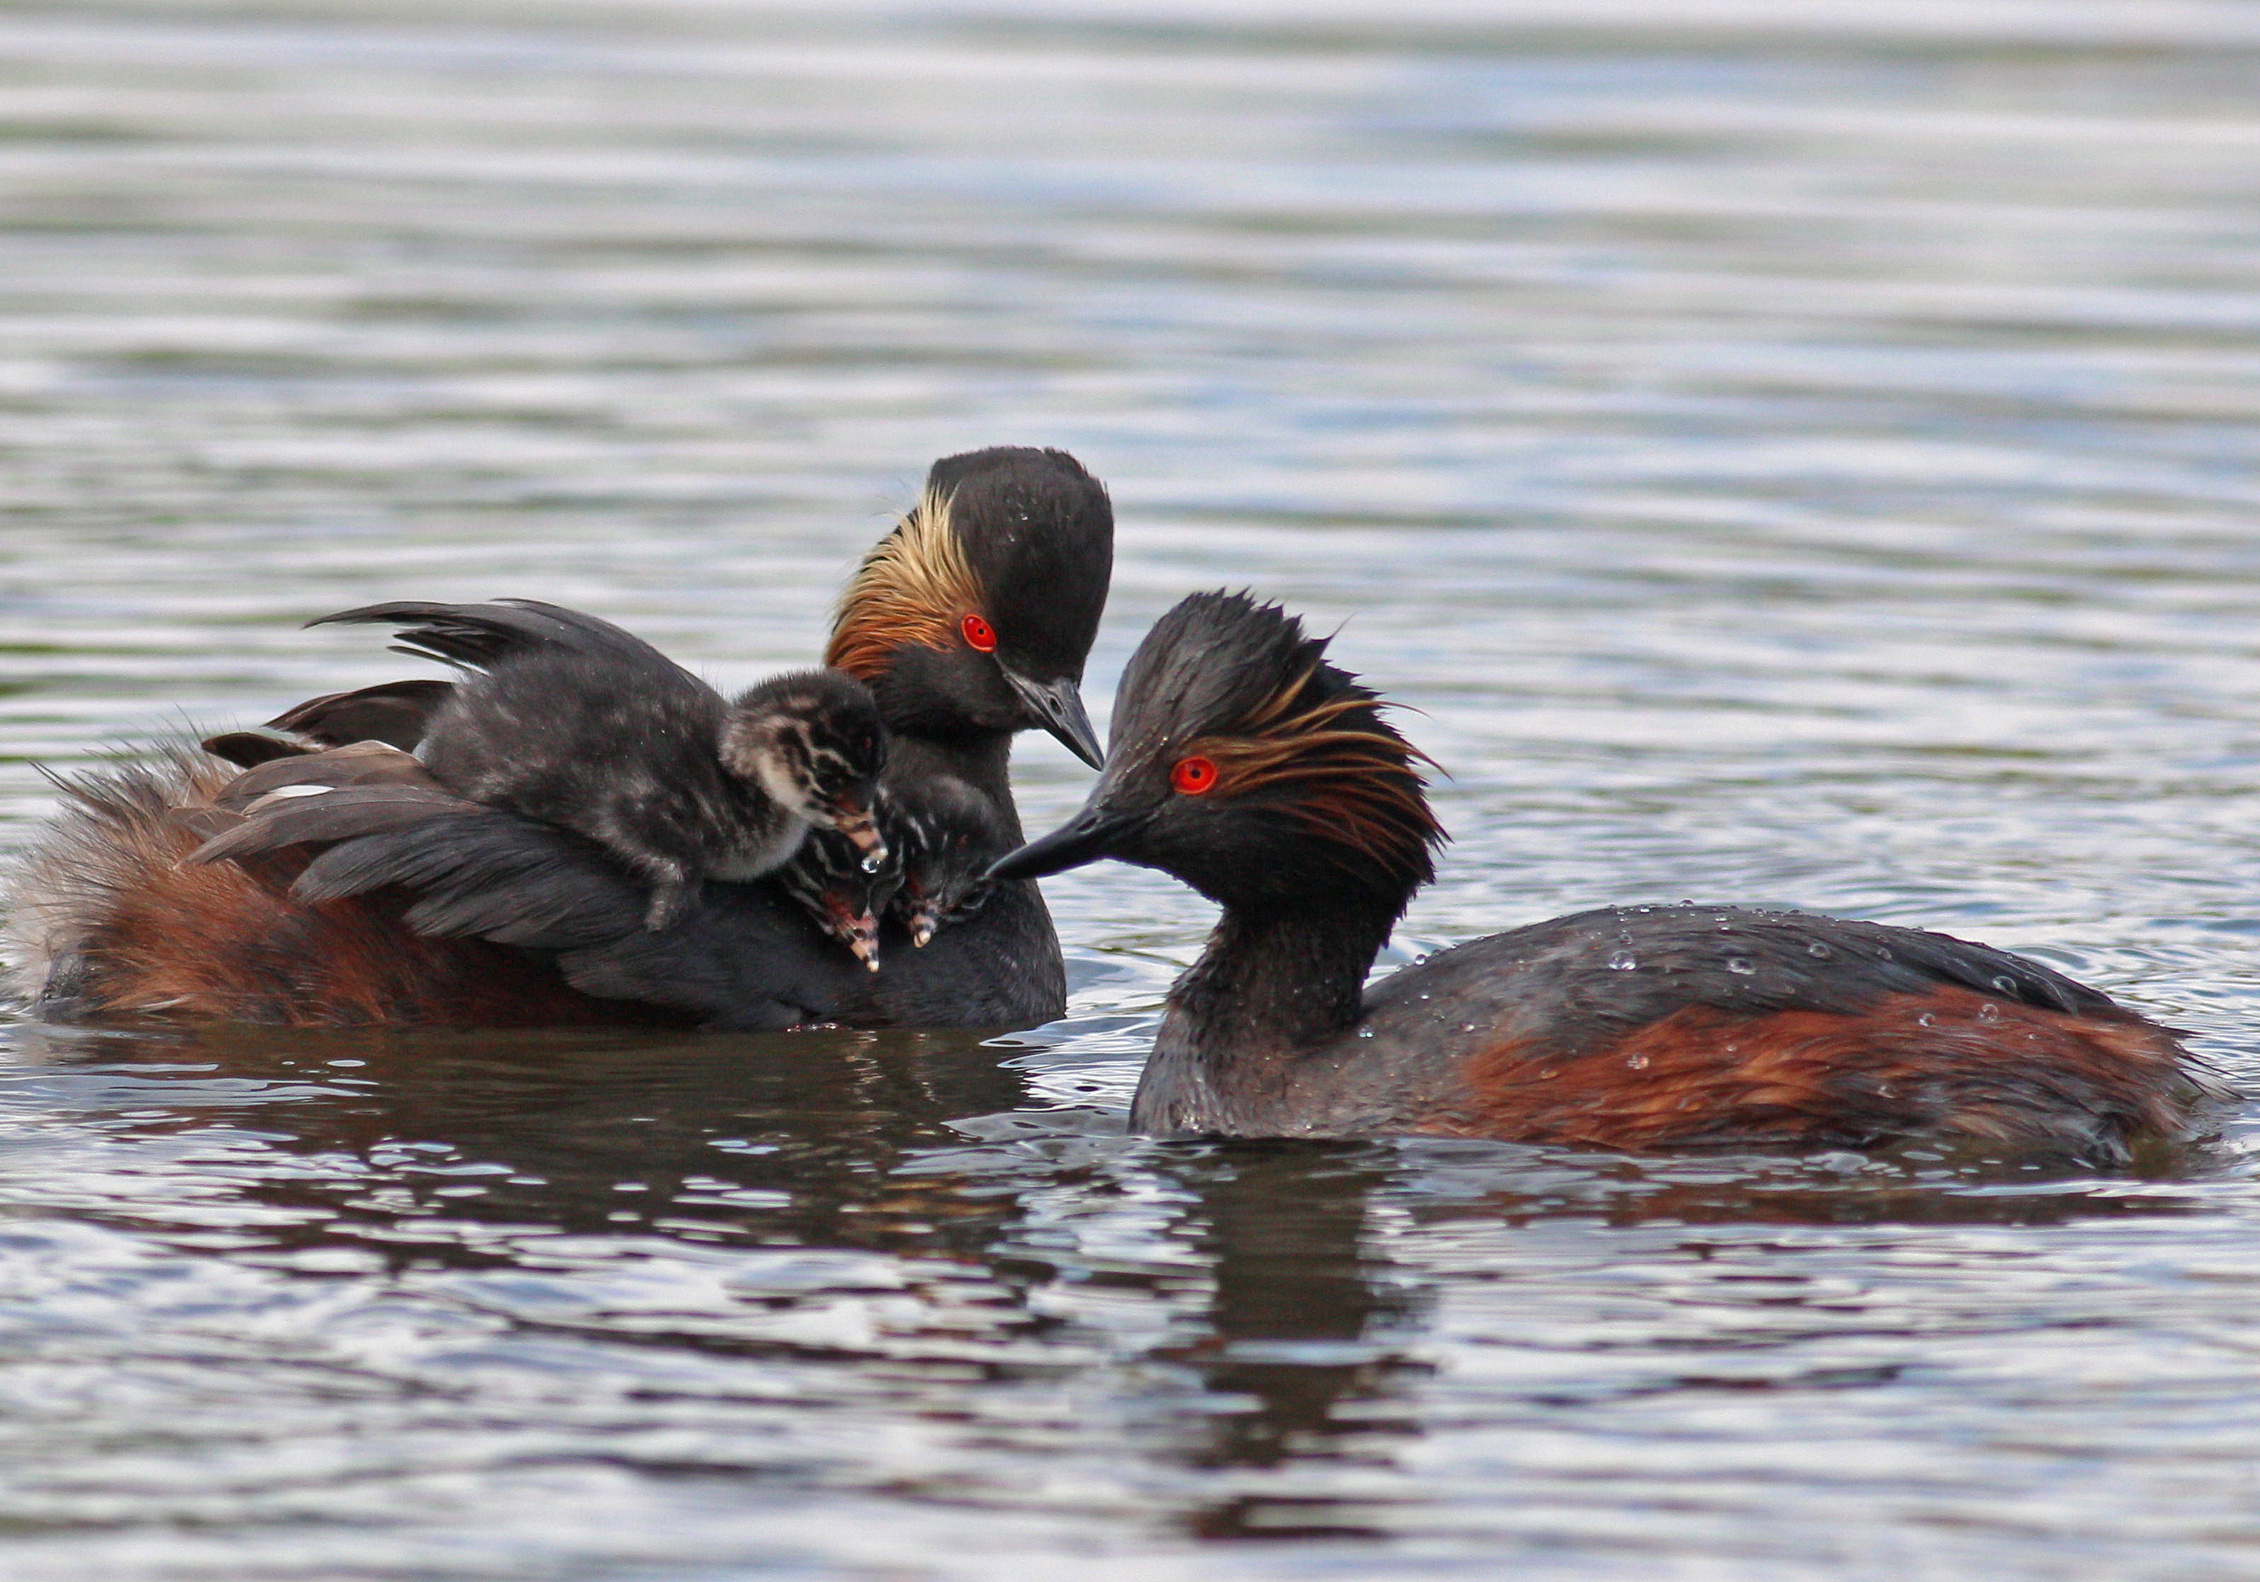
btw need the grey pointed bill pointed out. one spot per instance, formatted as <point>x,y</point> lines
<point>1082,839</point>
<point>1058,708</point>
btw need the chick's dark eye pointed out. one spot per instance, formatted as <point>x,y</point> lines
<point>979,634</point>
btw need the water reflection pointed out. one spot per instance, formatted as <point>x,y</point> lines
<point>585,1135</point>
<point>1300,1337</point>
<point>717,1237</point>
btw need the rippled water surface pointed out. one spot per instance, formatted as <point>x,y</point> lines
<point>1791,454</point>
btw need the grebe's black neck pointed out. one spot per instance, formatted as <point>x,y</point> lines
<point>1268,986</point>
<point>1275,981</point>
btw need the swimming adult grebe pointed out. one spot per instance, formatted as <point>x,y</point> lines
<point>1249,767</point>
<point>969,622</point>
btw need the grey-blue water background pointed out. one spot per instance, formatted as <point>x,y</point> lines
<point>1794,454</point>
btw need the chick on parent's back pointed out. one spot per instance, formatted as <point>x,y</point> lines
<point>609,738</point>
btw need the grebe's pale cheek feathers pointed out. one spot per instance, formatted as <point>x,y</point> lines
<point>772,751</point>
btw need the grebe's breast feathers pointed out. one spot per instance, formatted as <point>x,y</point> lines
<point>1241,757</point>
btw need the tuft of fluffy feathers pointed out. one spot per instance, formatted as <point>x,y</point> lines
<point>911,588</point>
<point>115,824</point>
<point>1240,683</point>
<point>106,916</point>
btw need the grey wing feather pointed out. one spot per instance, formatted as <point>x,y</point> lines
<point>475,636</point>
<point>392,712</point>
<point>366,763</point>
<point>250,749</point>
<point>478,871</point>
<point>343,814</point>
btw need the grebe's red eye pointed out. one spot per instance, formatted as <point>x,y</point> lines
<point>1193,776</point>
<point>978,634</point>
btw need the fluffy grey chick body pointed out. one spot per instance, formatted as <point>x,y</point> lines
<point>653,764</point>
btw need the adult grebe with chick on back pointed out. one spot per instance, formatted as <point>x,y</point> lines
<point>968,623</point>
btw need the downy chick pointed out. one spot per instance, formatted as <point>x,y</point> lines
<point>842,890</point>
<point>948,834</point>
<point>941,836</point>
<point>654,766</point>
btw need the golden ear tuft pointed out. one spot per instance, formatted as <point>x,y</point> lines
<point>912,588</point>
<point>1354,784</point>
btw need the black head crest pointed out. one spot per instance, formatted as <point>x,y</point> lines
<point>1022,538</point>
<point>1232,706</point>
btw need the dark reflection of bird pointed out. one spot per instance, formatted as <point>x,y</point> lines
<point>1308,1350</point>
<point>764,1141</point>
<point>969,623</point>
<point>1246,765</point>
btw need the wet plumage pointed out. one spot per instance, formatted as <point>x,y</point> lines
<point>1248,766</point>
<point>439,885</point>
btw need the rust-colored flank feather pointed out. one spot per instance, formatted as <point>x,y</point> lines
<point>913,588</point>
<point>105,911</point>
<point>1948,1063</point>
<point>1355,785</point>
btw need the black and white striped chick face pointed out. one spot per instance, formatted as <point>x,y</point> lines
<point>814,743</point>
<point>839,889</point>
<point>944,853</point>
